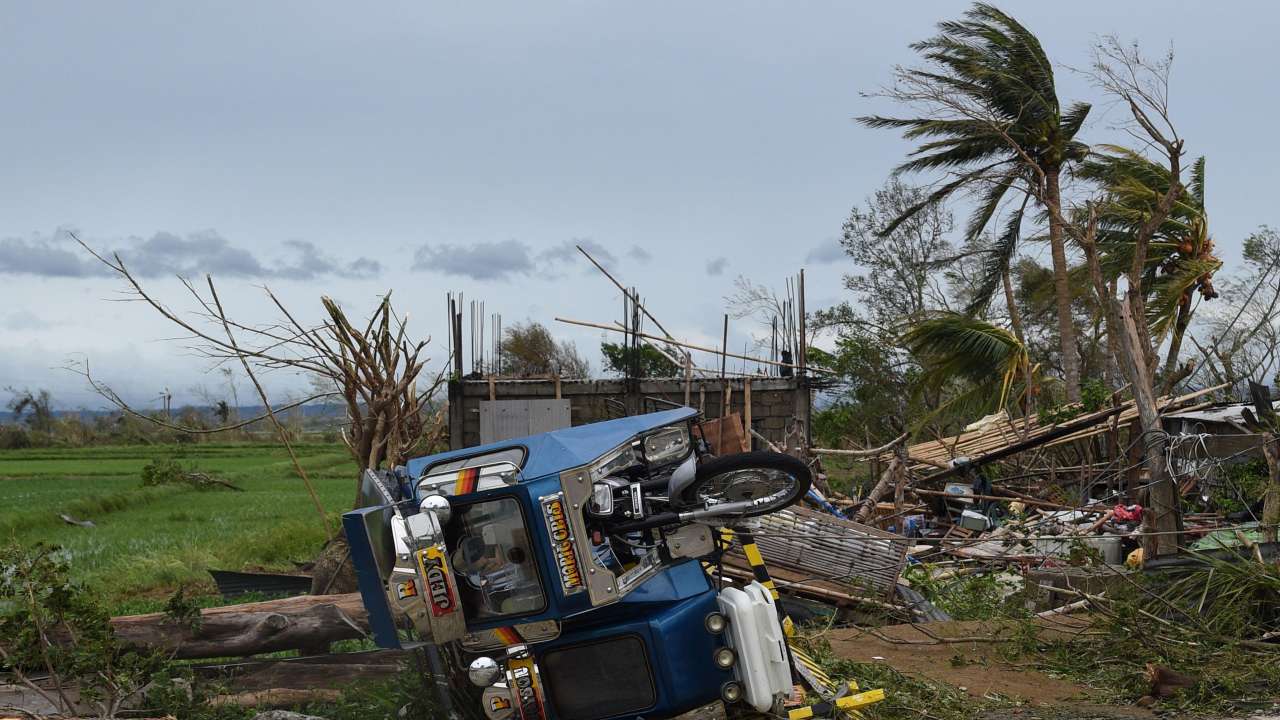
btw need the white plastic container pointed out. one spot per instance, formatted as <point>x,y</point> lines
<point>756,636</point>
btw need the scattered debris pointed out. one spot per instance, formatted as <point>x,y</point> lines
<point>72,521</point>
<point>284,715</point>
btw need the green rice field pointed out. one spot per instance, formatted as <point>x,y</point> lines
<point>148,541</point>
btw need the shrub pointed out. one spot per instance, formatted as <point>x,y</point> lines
<point>162,471</point>
<point>54,626</point>
<point>13,437</point>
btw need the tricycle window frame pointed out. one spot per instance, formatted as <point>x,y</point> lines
<point>531,548</point>
<point>486,457</point>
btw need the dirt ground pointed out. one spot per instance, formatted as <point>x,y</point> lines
<point>966,655</point>
<point>974,666</point>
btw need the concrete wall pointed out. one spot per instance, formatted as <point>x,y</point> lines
<point>777,404</point>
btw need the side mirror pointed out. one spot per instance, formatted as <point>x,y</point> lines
<point>484,671</point>
<point>439,506</point>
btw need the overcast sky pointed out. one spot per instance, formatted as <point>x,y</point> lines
<point>318,147</point>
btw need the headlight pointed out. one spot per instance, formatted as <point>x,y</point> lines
<point>616,461</point>
<point>731,692</point>
<point>715,623</point>
<point>667,444</point>
<point>601,499</point>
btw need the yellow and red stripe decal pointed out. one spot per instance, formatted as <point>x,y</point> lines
<point>508,636</point>
<point>466,481</point>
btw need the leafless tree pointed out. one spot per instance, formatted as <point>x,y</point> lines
<point>1239,340</point>
<point>1142,86</point>
<point>374,367</point>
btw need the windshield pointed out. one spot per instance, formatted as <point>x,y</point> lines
<point>493,560</point>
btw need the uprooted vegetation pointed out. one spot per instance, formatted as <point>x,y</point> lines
<point>166,471</point>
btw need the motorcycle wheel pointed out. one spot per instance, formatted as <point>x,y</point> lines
<point>779,479</point>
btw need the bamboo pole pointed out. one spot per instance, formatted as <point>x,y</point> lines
<point>688,379</point>
<point>614,280</point>
<point>861,453</point>
<point>691,346</point>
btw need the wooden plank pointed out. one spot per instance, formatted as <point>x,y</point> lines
<point>725,435</point>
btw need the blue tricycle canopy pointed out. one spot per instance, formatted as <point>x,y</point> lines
<point>559,450</point>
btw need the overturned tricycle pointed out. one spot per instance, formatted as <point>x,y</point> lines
<point>572,567</point>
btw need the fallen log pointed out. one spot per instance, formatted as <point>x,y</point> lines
<point>888,479</point>
<point>295,681</point>
<point>308,623</point>
<point>302,673</point>
<point>276,698</point>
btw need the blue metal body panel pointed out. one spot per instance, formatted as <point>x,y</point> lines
<point>667,613</point>
<point>368,578</point>
<point>556,451</point>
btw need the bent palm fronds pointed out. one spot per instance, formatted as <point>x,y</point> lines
<point>954,347</point>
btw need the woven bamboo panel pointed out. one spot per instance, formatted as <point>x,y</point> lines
<point>826,547</point>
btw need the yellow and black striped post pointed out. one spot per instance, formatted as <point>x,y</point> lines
<point>761,574</point>
<point>848,703</point>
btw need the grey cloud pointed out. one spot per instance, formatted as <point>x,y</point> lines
<point>829,251</point>
<point>311,262</point>
<point>364,267</point>
<point>22,320</point>
<point>566,253</point>
<point>45,257</point>
<point>201,252</point>
<point>500,260</point>
<point>717,266</point>
<point>481,261</point>
<point>639,254</point>
<point>166,253</point>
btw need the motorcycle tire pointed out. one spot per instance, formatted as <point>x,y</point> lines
<point>768,464</point>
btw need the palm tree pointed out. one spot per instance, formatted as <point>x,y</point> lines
<point>999,126</point>
<point>985,359</point>
<point>1180,259</point>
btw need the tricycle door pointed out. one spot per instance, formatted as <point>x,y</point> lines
<point>492,552</point>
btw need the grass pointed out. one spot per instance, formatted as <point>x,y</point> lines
<point>148,541</point>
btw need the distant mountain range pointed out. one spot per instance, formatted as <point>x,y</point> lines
<point>243,411</point>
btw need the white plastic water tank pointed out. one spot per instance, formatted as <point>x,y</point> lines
<point>756,635</point>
